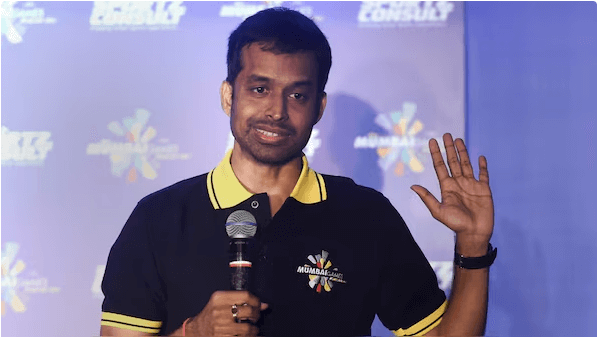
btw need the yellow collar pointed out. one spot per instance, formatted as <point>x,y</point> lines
<point>225,191</point>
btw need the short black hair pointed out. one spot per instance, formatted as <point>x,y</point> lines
<point>282,30</point>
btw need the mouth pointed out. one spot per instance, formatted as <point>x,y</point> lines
<point>268,133</point>
<point>268,136</point>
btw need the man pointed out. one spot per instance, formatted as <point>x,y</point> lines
<point>329,254</point>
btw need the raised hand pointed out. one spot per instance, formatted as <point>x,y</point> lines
<point>466,205</point>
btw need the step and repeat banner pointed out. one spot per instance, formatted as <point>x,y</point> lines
<point>104,103</point>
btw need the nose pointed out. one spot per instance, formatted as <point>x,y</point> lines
<point>278,108</point>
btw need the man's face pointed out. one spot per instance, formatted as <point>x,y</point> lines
<point>275,104</point>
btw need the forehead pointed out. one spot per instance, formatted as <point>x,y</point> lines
<point>279,67</point>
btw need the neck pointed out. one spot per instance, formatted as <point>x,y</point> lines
<point>277,181</point>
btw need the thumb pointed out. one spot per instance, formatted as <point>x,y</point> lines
<point>427,198</point>
<point>263,306</point>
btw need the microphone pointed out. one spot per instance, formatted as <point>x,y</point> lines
<point>241,228</point>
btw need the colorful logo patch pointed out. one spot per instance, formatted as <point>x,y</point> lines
<point>16,286</point>
<point>136,153</point>
<point>401,149</point>
<point>319,273</point>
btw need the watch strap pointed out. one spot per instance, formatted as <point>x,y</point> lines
<point>476,262</point>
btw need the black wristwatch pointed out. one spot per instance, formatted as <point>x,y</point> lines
<point>476,262</point>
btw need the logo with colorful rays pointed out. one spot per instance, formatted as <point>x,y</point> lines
<point>321,276</point>
<point>137,153</point>
<point>15,19</point>
<point>14,288</point>
<point>401,148</point>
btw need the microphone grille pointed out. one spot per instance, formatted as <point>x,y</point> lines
<point>241,224</point>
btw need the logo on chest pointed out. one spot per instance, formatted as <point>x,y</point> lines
<point>320,274</point>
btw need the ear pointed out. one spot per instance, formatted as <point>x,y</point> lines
<point>323,104</point>
<point>226,97</point>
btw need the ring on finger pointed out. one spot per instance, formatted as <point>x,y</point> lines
<point>234,311</point>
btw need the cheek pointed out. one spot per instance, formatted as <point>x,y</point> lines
<point>247,106</point>
<point>306,116</point>
<point>304,123</point>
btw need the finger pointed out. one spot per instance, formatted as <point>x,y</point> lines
<point>263,306</point>
<point>429,200</point>
<point>236,329</point>
<point>223,316</point>
<point>246,329</point>
<point>483,173</point>
<point>452,156</point>
<point>231,297</point>
<point>247,312</point>
<point>464,159</point>
<point>438,162</point>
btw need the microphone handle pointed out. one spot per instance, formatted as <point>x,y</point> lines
<point>239,264</point>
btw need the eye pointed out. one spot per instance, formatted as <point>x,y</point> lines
<point>259,89</point>
<point>298,96</point>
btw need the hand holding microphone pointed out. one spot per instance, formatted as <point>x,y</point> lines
<point>234,312</point>
<point>222,312</point>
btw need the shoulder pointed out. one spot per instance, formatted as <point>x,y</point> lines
<point>344,188</point>
<point>362,204</point>
<point>176,195</point>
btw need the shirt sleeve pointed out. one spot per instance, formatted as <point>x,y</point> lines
<point>411,302</point>
<point>133,297</point>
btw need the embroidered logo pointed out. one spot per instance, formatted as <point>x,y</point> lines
<point>319,274</point>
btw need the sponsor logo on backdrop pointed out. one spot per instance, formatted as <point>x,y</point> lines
<point>135,152</point>
<point>244,9</point>
<point>377,14</point>
<point>25,148</point>
<point>444,272</point>
<point>17,284</point>
<point>97,284</point>
<point>136,15</point>
<point>313,143</point>
<point>320,274</point>
<point>400,149</point>
<point>16,16</point>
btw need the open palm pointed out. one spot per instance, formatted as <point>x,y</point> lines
<point>466,205</point>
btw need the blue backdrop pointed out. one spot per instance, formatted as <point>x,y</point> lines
<point>532,110</point>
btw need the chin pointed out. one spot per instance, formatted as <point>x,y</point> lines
<point>276,158</point>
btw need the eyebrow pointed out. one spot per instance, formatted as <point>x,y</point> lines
<point>257,78</point>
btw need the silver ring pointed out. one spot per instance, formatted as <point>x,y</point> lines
<point>234,311</point>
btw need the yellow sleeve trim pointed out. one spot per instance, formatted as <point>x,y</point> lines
<point>133,321</point>
<point>423,326</point>
<point>129,327</point>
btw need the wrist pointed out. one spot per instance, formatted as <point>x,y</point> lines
<point>472,245</point>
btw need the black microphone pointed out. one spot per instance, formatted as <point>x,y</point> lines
<point>241,228</point>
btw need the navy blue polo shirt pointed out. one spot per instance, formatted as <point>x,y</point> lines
<point>332,257</point>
